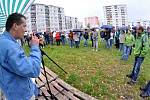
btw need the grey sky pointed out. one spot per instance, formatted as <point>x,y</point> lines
<point>137,9</point>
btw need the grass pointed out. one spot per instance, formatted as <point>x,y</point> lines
<point>100,74</point>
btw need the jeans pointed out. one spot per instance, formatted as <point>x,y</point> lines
<point>136,67</point>
<point>85,42</point>
<point>71,43</point>
<point>107,44</point>
<point>63,41</point>
<point>77,44</point>
<point>47,40</point>
<point>111,43</point>
<point>95,44</point>
<point>121,45</point>
<point>147,88</point>
<point>126,52</point>
<point>51,41</point>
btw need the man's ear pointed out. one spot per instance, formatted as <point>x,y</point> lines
<point>15,26</point>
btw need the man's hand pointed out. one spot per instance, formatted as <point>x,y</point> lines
<point>34,40</point>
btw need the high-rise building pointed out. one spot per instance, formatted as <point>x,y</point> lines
<point>2,21</point>
<point>61,18</point>
<point>54,20</point>
<point>92,21</point>
<point>80,25</point>
<point>71,23</point>
<point>36,18</point>
<point>116,15</point>
<point>41,18</point>
<point>68,22</point>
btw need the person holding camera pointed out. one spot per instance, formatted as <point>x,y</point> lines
<point>16,69</point>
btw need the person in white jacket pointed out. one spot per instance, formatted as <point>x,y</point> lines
<point>95,40</point>
<point>121,40</point>
<point>76,39</point>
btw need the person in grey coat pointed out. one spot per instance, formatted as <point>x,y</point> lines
<point>95,40</point>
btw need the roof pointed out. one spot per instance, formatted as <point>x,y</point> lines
<point>19,6</point>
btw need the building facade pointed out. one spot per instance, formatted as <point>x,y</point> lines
<point>36,18</point>
<point>41,18</point>
<point>92,21</point>
<point>72,23</point>
<point>116,15</point>
<point>54,22</point>
<point>2,21</point>
<point>61,18</point>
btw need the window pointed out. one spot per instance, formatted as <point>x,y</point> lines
<point>115,6</point>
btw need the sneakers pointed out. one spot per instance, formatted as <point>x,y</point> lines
<point>95,50</point>
<point>143,88</point>
<point>132,82</point>
<point>144,95</point>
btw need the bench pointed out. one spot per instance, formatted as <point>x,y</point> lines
<point>59,89</point>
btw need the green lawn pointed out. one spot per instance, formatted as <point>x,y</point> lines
<point>100,74</point>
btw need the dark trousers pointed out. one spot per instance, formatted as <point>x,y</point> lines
<point>47,40</point>
<point>77,44</point>
<point>117,43</point>
<point>92,42</point>
<point>58,42</point>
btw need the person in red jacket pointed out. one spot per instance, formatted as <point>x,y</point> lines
<point>58,38</point>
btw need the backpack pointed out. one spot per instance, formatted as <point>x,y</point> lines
<point>102,34</point>
<point>86,36</point>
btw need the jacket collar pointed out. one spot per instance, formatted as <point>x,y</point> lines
<point>140,35</point>
<point>9,36</point>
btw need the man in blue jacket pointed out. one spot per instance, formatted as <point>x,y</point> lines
<point>16,69</point>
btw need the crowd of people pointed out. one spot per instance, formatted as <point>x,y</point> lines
<point>122,39</point>
<point>72,38</point>
<point>127,41</point>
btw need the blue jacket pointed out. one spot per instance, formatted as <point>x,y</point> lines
<point>16,69</point>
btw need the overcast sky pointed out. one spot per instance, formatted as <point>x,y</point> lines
<point>137,9</point>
